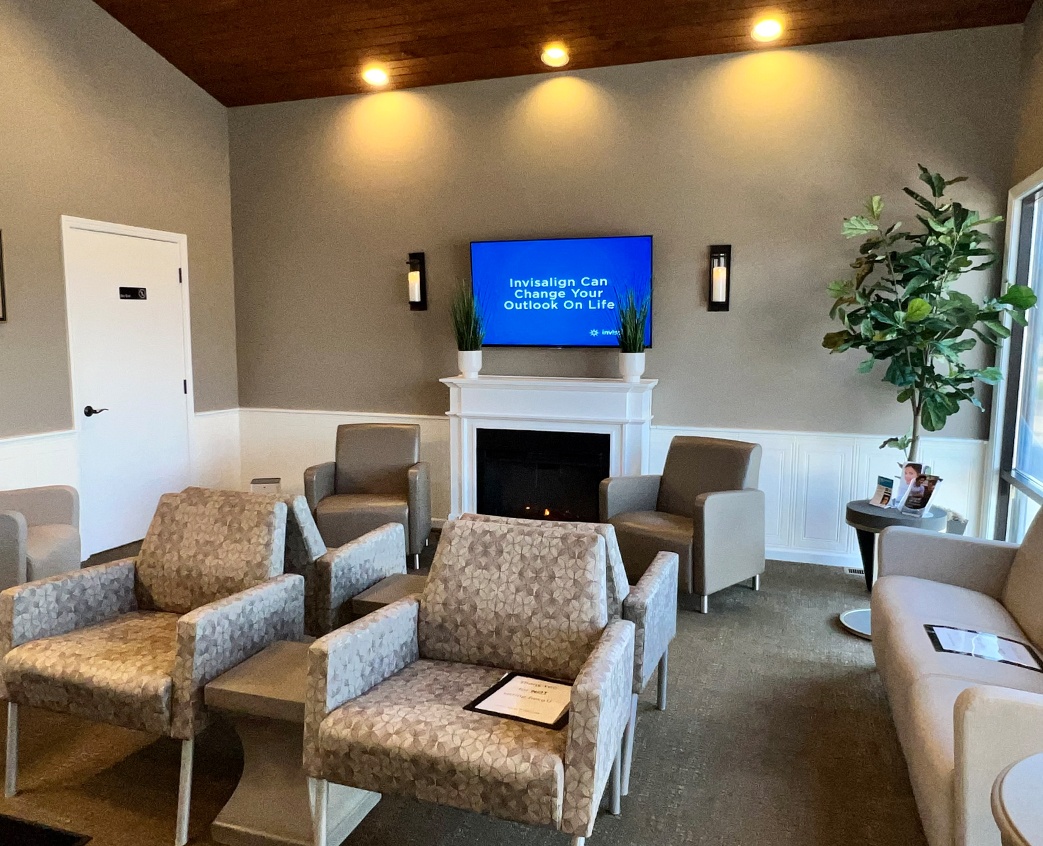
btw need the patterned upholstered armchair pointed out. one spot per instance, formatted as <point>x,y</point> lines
<point>377,478</point>
<point>134,642</point>
<point>651,605</point>
<point>332,577</point>
<point>386,694</point>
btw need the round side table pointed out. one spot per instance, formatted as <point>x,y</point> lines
<point>1016,803</point>
<point>868,521</point>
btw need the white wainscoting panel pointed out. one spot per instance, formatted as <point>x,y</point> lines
<point>807,477</point>
<point>47,458</point>
<point>216,449</point>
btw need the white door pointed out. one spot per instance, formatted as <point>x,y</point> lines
<point>128,352</point>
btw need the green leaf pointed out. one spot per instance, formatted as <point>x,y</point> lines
<point>905,395</point>
<point>917,310</point>
<point>934,412</point>
<point>1019,296</point>
<point>857,226</point>
<point>997,327</point>
<point>866,365</point>
<point>840,288</point>
<point>875,207</point>
<point>934,180</point>
<point>990,375</point>
<point>834,340</point>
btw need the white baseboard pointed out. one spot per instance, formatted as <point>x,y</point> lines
<point>808,477</point>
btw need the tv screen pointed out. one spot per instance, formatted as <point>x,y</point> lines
<point>561,292</point>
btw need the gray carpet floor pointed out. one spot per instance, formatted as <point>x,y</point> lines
<point>777,733</point>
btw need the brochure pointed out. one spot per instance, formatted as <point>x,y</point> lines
<point>910,472</point>
<point>918,497</point>
<point>528,699</point>
<point>885,486</point>
<point>989,647</point>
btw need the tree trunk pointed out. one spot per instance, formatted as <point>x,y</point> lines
<point>914,439</point>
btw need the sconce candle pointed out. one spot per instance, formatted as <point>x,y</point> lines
<point>417,280</point>
<point>720,277</point>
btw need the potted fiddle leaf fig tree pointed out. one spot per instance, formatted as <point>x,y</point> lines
<point>469,328</point>
<point>632,321</point>
<point>901,306</point>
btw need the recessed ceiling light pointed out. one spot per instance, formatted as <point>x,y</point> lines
<point>555,55</point>
<point>375,75</point>
<point>767,29</point>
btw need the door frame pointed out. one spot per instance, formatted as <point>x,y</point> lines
<point>69,224</point>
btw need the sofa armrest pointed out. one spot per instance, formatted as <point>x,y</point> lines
<point>727,530</point>
<point>344,573</point>
<point>346,663</point>
<point>64,603</point>
<point>419,506</point>
<point>14,533</point>
<point>598,716</point>
<point>652,608</point>
<point>628,493</point>
<point>995,727</point>
<point>979,565</point>
<point>43,506</point>
<point>216,637</point>
<point>319,483</point>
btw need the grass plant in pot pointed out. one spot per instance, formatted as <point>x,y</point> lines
<point>632,319</point>
<point>469,328</point>
<point>901,307</point>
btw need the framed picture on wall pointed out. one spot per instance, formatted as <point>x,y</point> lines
<point>3,293</point>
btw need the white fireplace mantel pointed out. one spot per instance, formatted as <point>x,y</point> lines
<point>622,410</point>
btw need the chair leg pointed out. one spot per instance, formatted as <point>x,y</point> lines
<point>628,745</point>
<point>578,841</point>
<point>615,781</point>
<point>660,698</point>
<point>704,605</point>
<point>184,793</point>
<point>11,776</point>
<point>318,817</point>
<point>414,561</point>
<point>756,583</point>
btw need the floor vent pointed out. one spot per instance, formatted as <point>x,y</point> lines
<point>854,571</point>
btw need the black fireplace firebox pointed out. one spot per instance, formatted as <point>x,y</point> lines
<point>542,475</point>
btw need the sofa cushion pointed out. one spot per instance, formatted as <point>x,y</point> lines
<point>204,545</point>
<point>51,549</point>
<point>642,535</point>
<point>473,611</point>
<point>345,517</point>
<point>115,672</point>
<point>903,605</point>
<point>411,735</point>
<point>1023,594</point>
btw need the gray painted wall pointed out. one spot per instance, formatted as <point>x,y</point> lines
<point>97,125</point>
<point>767,151</point>
<point>1028,155</point>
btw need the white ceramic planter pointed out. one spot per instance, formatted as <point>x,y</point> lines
<point>470,362</point>
<point>631,366</point>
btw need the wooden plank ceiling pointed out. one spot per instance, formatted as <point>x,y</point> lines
<point>263,51</point>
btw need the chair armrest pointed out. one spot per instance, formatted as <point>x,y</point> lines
<point>994,727</point>
<point>652,608</point>
<point>599,713</point>
<point>43,506</point>
<point>14,533</point>
<point>64,603</point>
<point>628,493</point>
<point>344,573</point>
<point>727,530</point>
<point>319,483</point>
<point>419,506</point>
<point>218,636</point>
<point>980,565</point>
<point>346,663</point>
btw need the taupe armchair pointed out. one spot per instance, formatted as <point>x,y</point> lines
<point>377,478</point>
<point>705,507</point>
<point>39,534</point>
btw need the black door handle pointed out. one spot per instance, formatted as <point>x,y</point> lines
<point>90,412</point>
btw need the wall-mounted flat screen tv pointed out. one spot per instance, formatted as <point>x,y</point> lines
<point>561,292</point>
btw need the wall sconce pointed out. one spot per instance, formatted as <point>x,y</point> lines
<point>417,282</point>
<point>720,277</point>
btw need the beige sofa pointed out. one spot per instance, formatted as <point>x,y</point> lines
<point>961,720</point>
